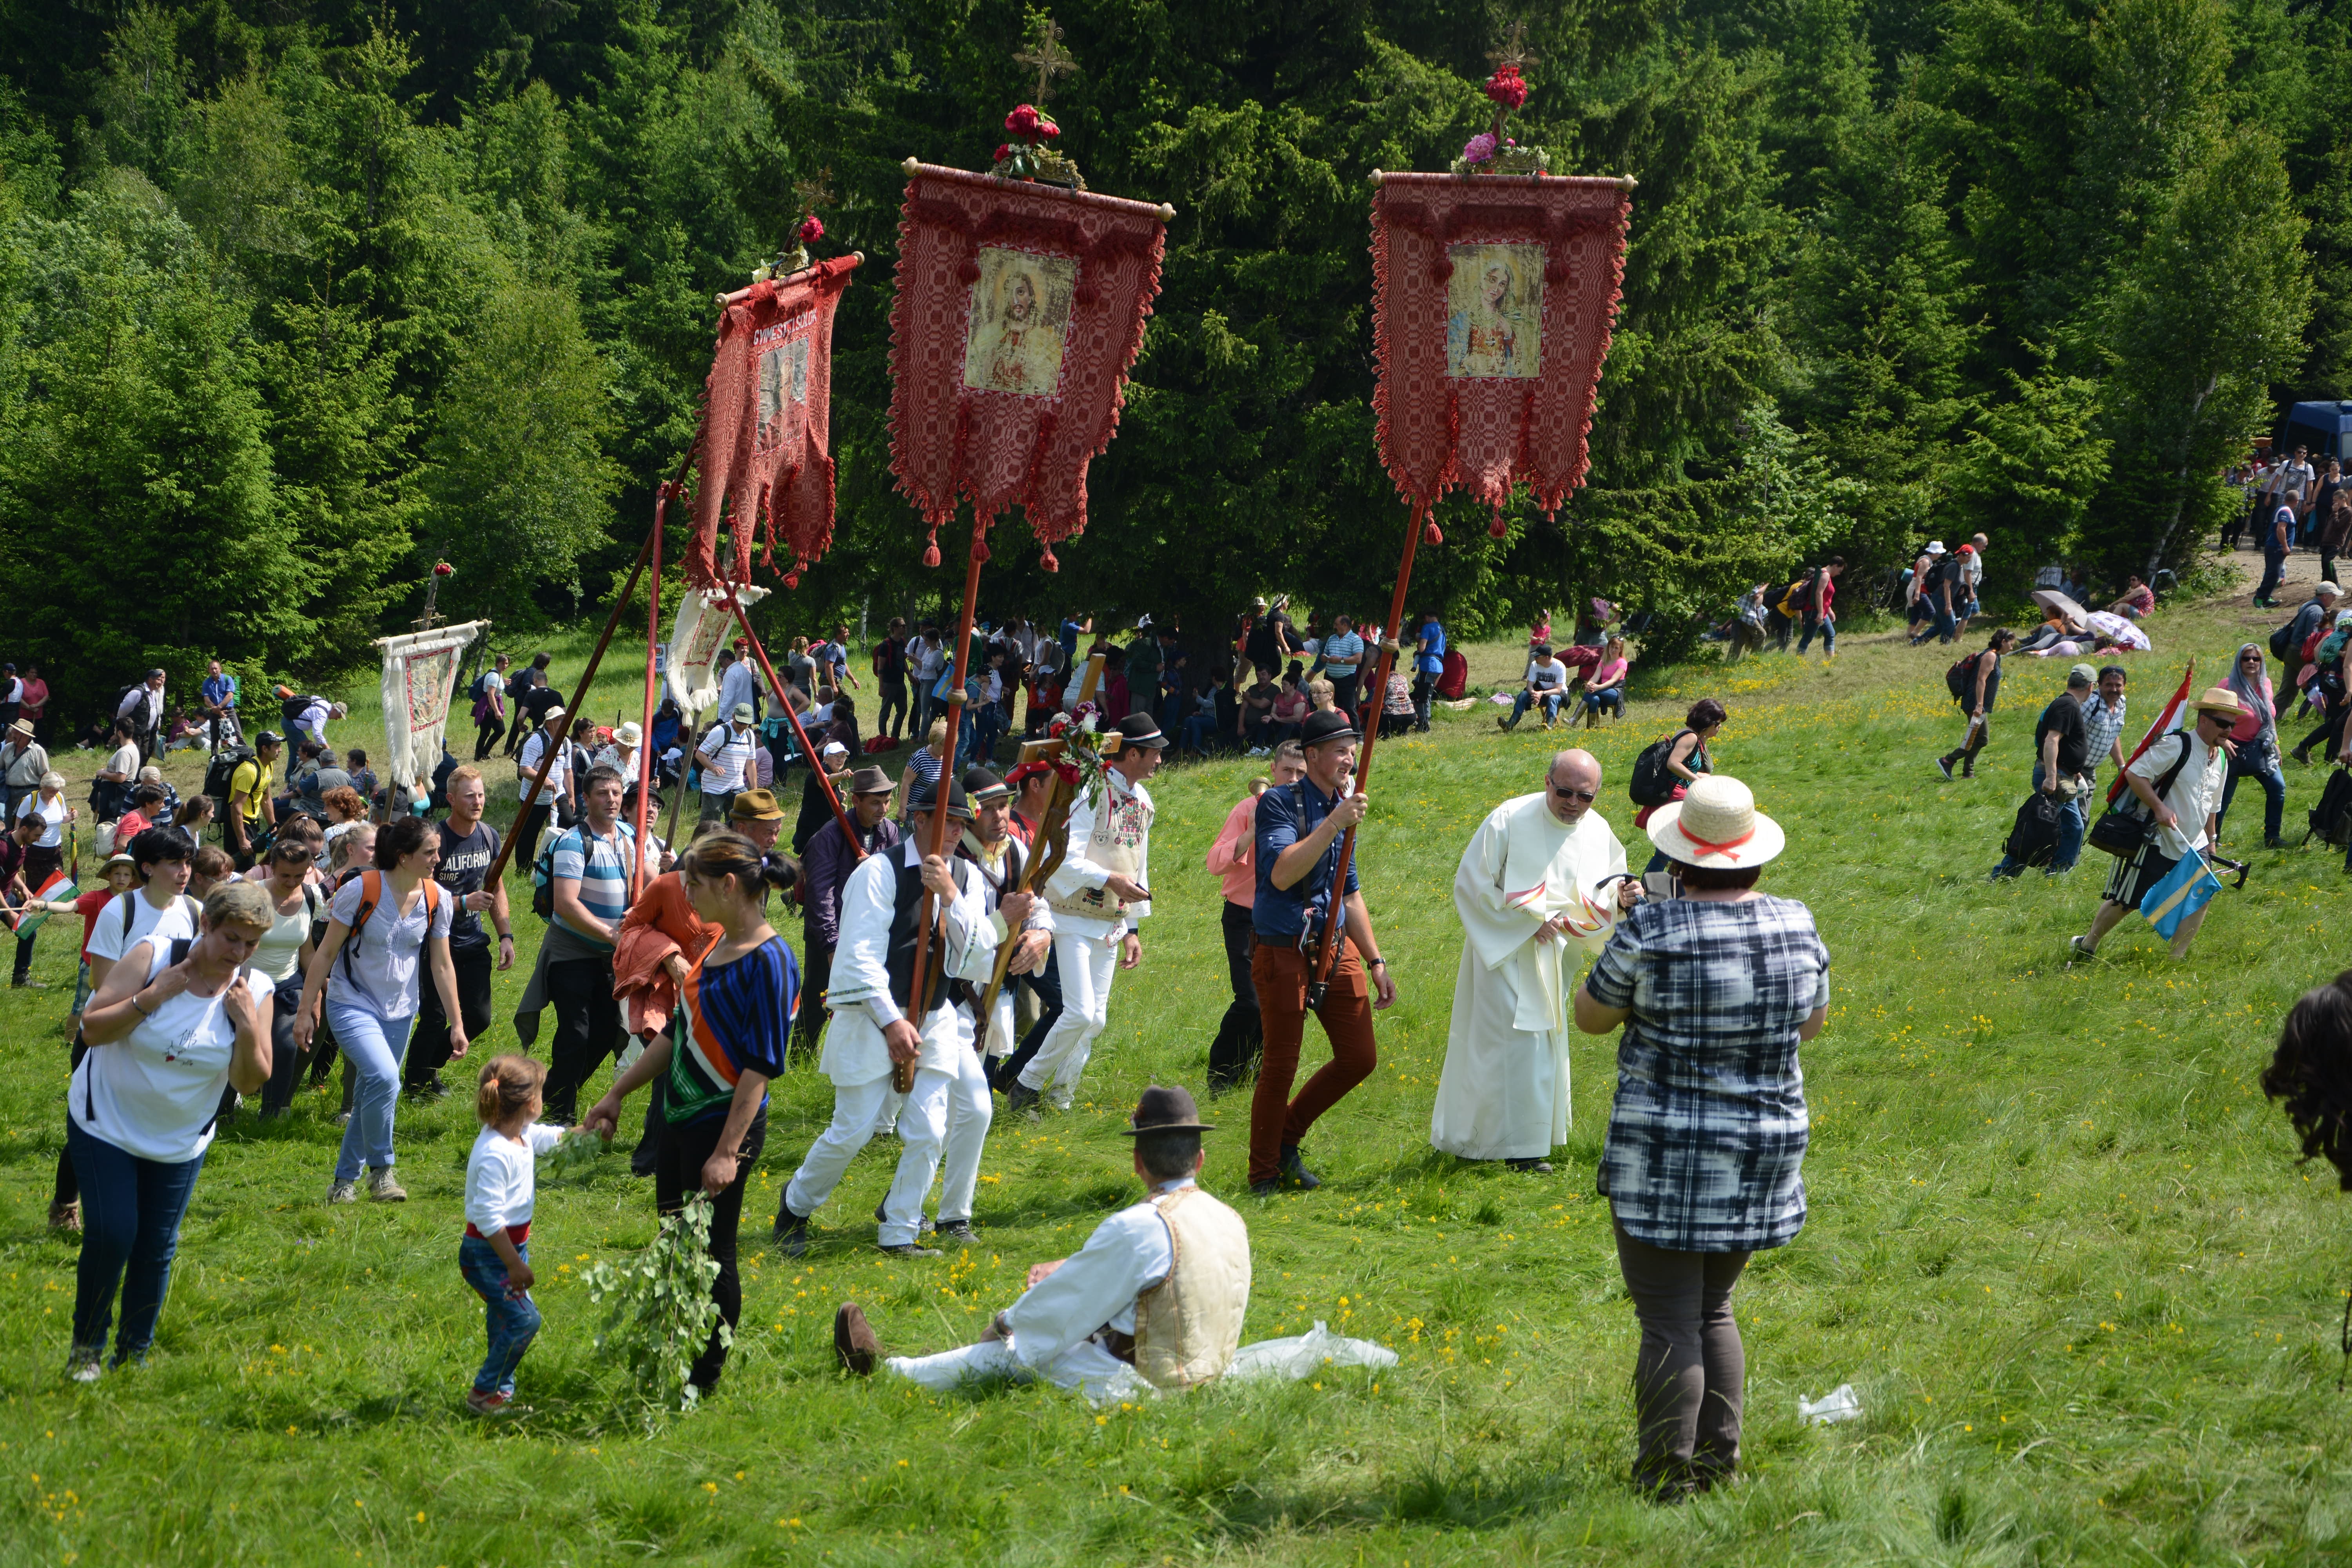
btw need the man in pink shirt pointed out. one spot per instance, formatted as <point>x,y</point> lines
<point>1232,1057</point>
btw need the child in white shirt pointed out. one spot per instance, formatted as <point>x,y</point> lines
<point>500,1179</point>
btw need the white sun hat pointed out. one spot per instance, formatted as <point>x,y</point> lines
<point>1716,825</point>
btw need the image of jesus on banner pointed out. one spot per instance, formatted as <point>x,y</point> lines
<point>1493,327</point>
<point>1019,309</point>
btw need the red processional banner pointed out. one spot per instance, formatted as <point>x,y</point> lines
<point>1020,307</point>
<point>1492,300</point>
<point>766,436</point>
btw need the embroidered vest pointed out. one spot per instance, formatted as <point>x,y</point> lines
<point>1188,1326</point>
<point>906,918</point>
<point>1122,827</point>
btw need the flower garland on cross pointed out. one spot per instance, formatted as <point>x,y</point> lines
<point>1029,155</point>
<point>1490,152</point>
<point>1084,760</point>
<point>808,195</point>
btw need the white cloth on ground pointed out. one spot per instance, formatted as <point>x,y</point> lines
<point>1504,1090</point>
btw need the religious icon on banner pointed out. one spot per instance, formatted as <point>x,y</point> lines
<point>784,352</point>
<point>429,677</point>
<point>1495,322</point>
<point>1020,311</point>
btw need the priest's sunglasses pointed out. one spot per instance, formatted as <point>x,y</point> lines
<point>1586,796</point>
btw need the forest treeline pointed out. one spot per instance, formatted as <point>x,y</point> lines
<point>298,297</point>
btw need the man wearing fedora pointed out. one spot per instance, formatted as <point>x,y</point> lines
<point>1540,887</point>
<point>23,761</point>
<point>1099,892</point>
<point>2179,781</point>
<point>878,1022</point>
<point>833,854</point>
<point>725,757</point>
<point>1299,836</point>
<point>1158,1292</point>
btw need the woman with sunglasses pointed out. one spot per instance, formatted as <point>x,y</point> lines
<point>2255,743</point>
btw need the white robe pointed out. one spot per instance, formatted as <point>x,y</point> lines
<point>1504,1091</point>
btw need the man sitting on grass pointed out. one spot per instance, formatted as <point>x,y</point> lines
<point>1160,1288</point>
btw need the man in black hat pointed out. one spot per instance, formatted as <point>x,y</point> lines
<point>1157,1293</point>
<point>877,1023</point>
<point>1099,892</point>
<point>1299,831</point>
<point>990,844</point>
<point>833,854</point>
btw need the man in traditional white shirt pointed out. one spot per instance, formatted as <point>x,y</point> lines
<point>1154,1300</point>
<point>874,1026</point>
<point>1099,892</point>
<point>1538,882</point>
<point>2179,781</point>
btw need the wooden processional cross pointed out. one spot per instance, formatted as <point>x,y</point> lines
<point>1052,845</point>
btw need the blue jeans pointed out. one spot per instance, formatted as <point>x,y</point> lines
<point>1825,630</point>
<point>130,1229</point>
<point>1521,704</point>
<point>1943,629</point>
<point>1199,729</point>
<point>1612,697</point>
<point>2273,788</point>
<point>374,1045</point>
<point>2072,826</point>
<point>2273,566</point>
<point>513,1317</point>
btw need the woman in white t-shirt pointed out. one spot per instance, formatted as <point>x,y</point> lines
<point>393,919</point>
<point>297,902</point>
<point>176,1021</point>
<point>49,804</point>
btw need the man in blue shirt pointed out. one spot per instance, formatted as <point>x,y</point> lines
<point>1343,658</point>
<point>1298,853</point>
<point>1428,663</point>
<point>217,698</point>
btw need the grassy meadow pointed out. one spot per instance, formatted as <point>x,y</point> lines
<point>2059,1243</point>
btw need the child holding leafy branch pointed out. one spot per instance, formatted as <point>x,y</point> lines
<point>500,1179</point>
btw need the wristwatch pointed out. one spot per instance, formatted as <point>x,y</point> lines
<point>1376,963</point>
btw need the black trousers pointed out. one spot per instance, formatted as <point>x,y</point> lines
<point>527,832</point>
<point>1343,692</point>
<point>487,736</point>
<point>816,974</point>
<point>587,1030</point>
<point>1233,1055</point>
<point>284,1061</point>
<point>677,1176</point>
<point>428,1048</point>
<point>1046,987</point>
<point>891,717</point>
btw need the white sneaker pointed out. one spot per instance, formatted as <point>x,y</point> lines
<point>82,1371</point>
<point>384,1190</point>
<point>343,1118</point>
<point>343,1192</point>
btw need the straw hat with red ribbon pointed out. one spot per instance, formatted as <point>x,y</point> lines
<point>1716,825</point>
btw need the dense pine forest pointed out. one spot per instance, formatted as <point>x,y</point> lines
<point>298,297</point>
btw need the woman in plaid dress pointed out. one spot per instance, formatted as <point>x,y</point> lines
<point>1706,1139</point>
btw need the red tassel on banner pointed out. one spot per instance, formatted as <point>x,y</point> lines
<point>1496,529</point>
<point>931,550</point>
<point>1047,562</point>
<point>1431,534</point>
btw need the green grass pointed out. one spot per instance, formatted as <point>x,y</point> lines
<point>2058,1241</point>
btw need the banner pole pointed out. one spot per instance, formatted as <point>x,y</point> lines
<point>815,758</point>
<point>637,873</point>
<point>902,1073</point>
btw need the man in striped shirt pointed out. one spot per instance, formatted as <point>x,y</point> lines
<point>725,757</point>
<point>591,884</point>
<point>1343,658</point>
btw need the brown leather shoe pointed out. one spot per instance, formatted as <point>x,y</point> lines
<point>854,1342</point>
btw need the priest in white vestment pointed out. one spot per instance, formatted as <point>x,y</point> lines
<point>1531,893</point>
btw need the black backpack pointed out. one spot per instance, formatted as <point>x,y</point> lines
<point>1653,783</point>
<point>293,708</point>
<point>2033,838</point>
<point>1960,681</point>
<point>222,773</point>
<point>2283,639</point>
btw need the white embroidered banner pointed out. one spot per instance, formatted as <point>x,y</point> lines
<point>420,674</point>
<point>704,626</point>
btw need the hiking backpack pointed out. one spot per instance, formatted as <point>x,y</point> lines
<point>1960,681</point>
<point>372,894</point>
<point>1653,783</point>
<point>222,771</point>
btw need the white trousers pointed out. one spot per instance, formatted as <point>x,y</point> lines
<point>945,1118</point>
<point>1086,1366</point>
<point>1085,964</point>
<point>855,1108</point>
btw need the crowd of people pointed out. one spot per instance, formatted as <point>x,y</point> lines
<point>342,921</point>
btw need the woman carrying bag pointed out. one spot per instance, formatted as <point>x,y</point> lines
<point>2255,743</point>
<point>177,1021</point>
<point>1975,685</point>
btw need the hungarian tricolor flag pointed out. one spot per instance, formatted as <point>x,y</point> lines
<point>2162,727</point>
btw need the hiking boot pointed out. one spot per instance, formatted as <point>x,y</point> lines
<point>925,1224</point>
<point>384,1189</point>
<point>791,1236</point>
<point>1264,1189</point>
<point>854,1342</point>
<point>1295,1171</point>
<point>957,1231</point>
<point>1502,724</point>
<point>343,1192</point>
<point>1018,1096</point>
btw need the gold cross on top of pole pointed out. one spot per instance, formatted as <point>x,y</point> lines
<point>1049,59</point>
<point>1514,50</point>
<point>811,194</point>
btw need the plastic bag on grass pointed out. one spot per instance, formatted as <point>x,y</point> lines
<point>1302,1355</point>
<point>1841,1404</point>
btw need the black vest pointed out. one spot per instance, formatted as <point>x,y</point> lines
<point>906,916</point>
